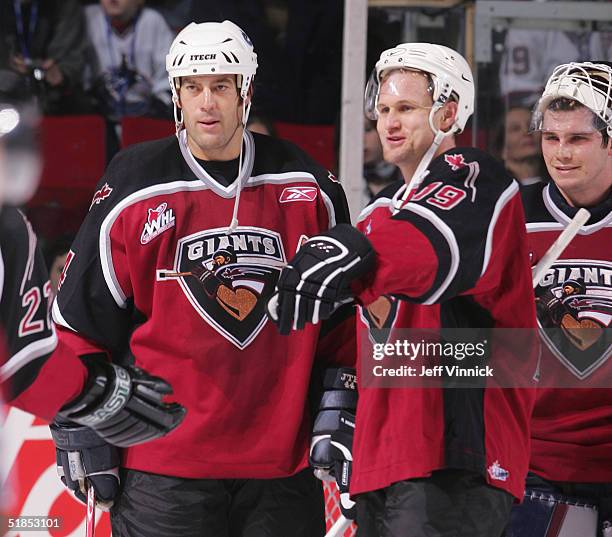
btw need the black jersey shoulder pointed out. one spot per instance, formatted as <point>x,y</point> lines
<point>146,164</point>
<point>454,166</point>
<point>275,156</point>
<point>13,227</point>
<point>533,203</point>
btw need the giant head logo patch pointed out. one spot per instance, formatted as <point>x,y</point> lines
<point>229,279</point>
<point>574,305</point>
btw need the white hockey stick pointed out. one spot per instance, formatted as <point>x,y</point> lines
<point>339,527</point>
<point>559,245</point>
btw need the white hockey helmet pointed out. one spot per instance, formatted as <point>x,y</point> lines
<point>588,83</point>
<point>450,73</point>
<point>211,48</point>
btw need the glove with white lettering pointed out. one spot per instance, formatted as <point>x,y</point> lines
<point>342,444</point>
<point>317,280</point>
<point>84,459</point>
<point>123,405</point>
<point>332,436</point>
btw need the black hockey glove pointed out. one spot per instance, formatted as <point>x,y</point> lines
<point>317,280</point>
<point>84,459</point>
<point>332,437</point>
<point>342,445</point>
<point>123,406</point>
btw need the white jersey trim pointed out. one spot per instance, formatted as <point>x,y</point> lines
<point>106,260</point>
<point>28,354</point>
<point>228,191</point>
<point>562,218</point>
<point>58,317</point>
<point>502,201</point>
<point>29,267</point>
<point>381,202</point>
<point>294,177</point>
<point>448,234</point>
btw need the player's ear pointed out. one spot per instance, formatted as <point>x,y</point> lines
<point>448,115</point>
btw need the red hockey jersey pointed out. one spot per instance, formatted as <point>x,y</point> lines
<point>572,426</point>
<point>155,279</point>
<point>453,256</point>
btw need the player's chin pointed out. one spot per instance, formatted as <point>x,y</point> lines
<point>394,155</point>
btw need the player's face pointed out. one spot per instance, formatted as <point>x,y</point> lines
<point>55,271</point>
<point>212,112</point>
<point>403,117</point>
<point>519,143</point>
<point>575,158</point>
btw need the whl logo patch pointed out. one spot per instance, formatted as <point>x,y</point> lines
<point>159,220</point>
<point>229,279</point>
<point>298,193</point>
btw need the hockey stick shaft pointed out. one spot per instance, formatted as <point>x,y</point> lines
<point>91,512</point>
<point>553,253</point>
<point>339,527</point>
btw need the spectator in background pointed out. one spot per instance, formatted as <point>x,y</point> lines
<point>519,148</point>
<point>44,41</point>
<point>55,258</point>
<point>304,38</point>
<point>377,172</point>
<point>127,72</point>
<point>531,54</point>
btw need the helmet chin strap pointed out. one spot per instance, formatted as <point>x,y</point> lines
<point>421,170</point>
<point>246,109</point>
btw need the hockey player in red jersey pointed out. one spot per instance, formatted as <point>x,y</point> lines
<point>97,404</point>
<point>171,271</point>
<point>569,488</point>
<point>445,250</point>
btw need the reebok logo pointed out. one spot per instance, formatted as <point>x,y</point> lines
<point>298,193</point>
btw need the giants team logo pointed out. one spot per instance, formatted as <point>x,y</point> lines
<point>298,193</point>
<point>158,220</point>
<point>229,279</point>
<point>574,305</point>
<point>101,195</point>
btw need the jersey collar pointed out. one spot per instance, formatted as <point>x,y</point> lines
<point>219,189</point>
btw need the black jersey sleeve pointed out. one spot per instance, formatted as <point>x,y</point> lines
<point>24,304</point>
<point>88,301</point>
<point>439,244</point>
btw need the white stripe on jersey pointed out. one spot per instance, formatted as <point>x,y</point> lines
<point>505,197</point>
<point>29,267</point>
<point>561,217</point>
<point>106,261</point>
<point>448,234</point>
<point>29,353</point>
